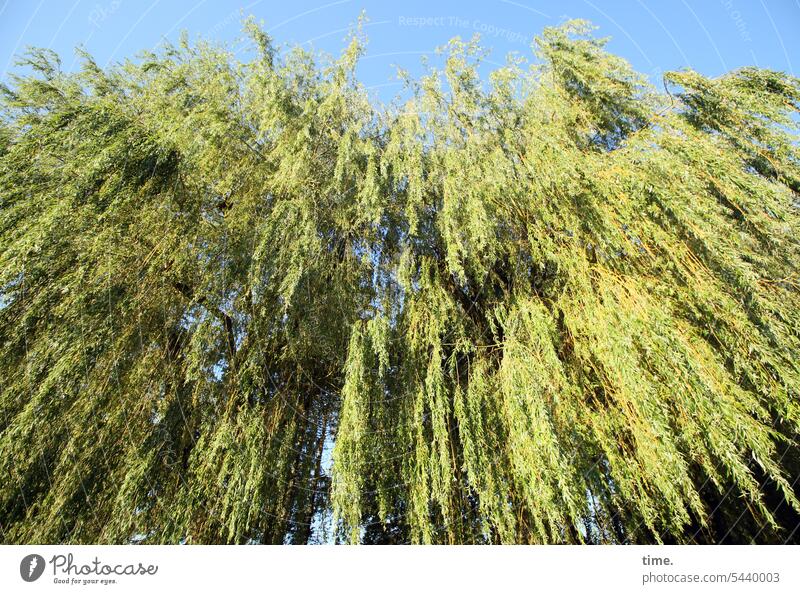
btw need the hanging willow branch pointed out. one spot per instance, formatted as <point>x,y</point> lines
<point>239,303</point>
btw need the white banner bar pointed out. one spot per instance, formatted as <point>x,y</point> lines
<point>459,569</point>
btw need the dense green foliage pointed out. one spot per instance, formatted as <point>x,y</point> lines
<point>557,306</point>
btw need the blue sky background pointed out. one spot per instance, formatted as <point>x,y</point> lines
<point>711,36</point>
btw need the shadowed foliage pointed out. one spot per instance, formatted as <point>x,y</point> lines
<point>241,302</point>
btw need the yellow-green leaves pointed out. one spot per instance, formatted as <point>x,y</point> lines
<point>239,302</point>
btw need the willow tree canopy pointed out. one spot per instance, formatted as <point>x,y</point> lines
<point>242,302</point>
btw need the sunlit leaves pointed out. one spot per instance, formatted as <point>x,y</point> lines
<point>554,306</point>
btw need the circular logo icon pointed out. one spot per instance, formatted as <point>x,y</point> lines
<point>31,567</point>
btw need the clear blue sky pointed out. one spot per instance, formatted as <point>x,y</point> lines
<point>711,36</point>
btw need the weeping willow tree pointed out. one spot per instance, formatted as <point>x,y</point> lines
<point>240,302</point>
